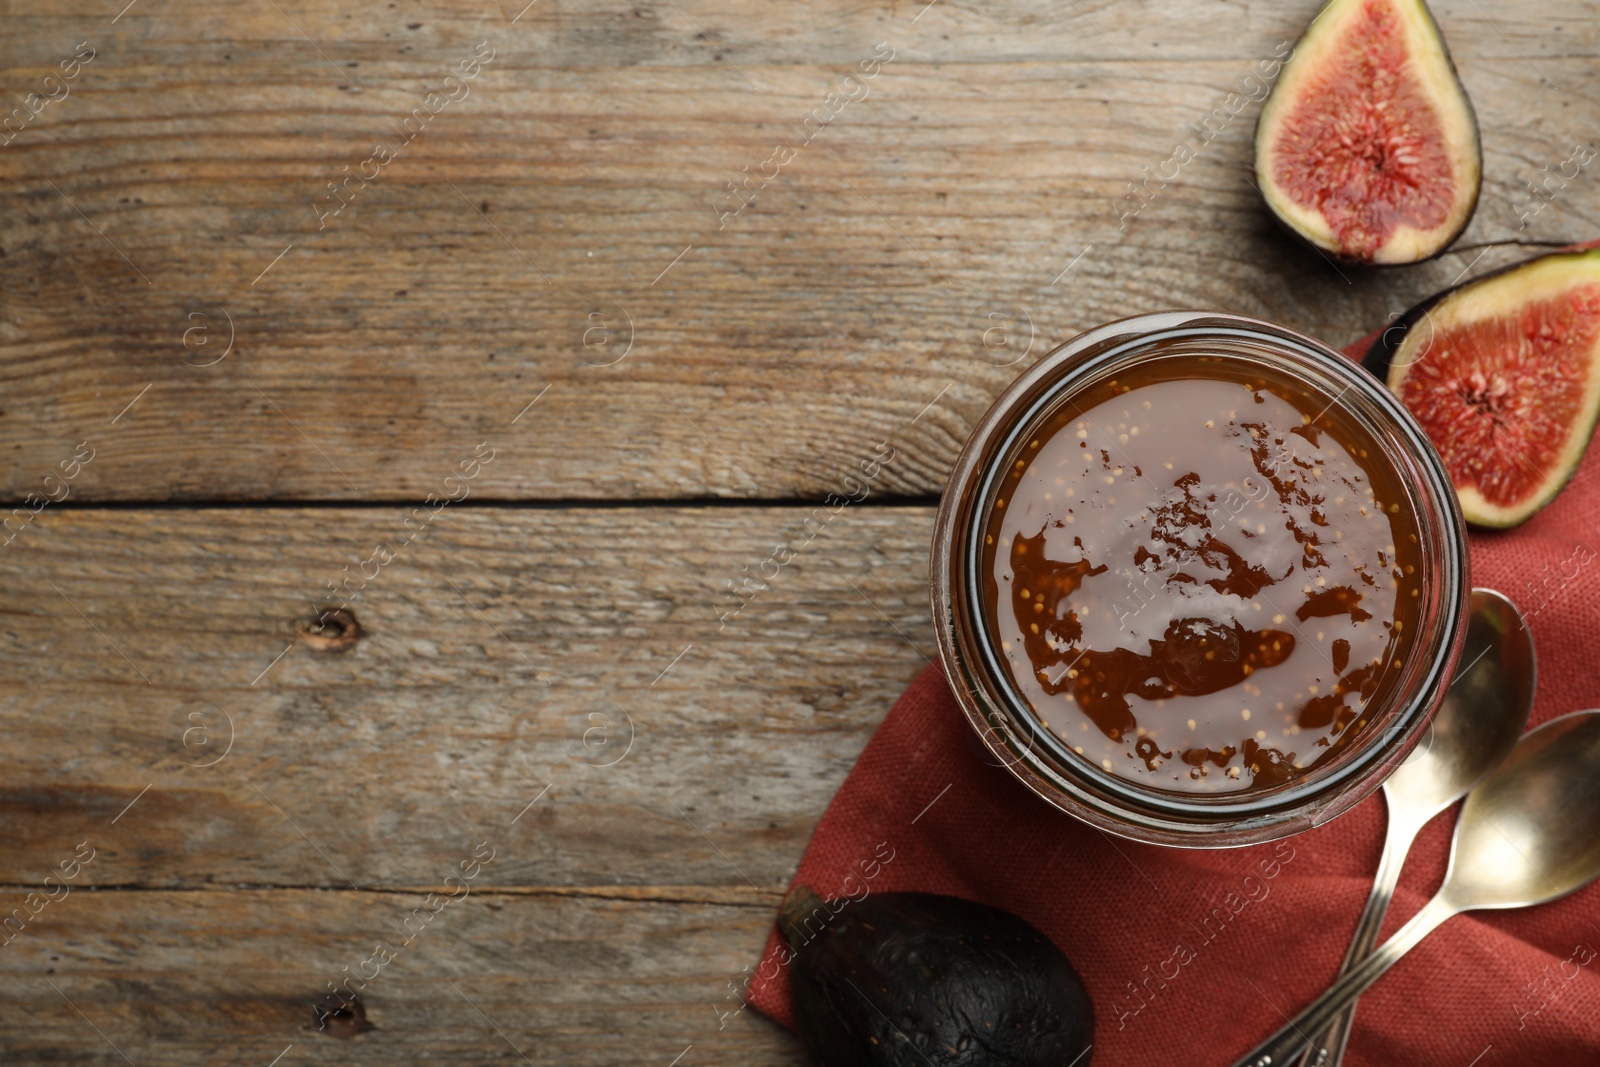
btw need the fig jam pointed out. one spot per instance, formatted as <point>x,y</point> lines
<point>1202,574</point>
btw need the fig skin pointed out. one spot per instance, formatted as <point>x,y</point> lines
<point>1379,356</point>
<point>1281,100</point>
<point>1379,360</point>
<point>922,980</point>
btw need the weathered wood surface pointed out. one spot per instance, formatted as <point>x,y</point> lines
<point>555,239</point>
<point>206,977</point>
<point>647,805</point>
<point>504,651</point>
<point>581,175</point>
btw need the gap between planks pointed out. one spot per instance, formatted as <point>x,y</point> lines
<point>716,896</point>
<point>917,500</point>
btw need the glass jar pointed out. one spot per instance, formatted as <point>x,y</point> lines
<point>990,695</point>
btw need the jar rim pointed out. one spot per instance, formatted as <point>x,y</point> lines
<point>1010,728</point>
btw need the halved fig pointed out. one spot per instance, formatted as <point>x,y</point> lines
<point>1503,373</point>
<point>1367,146</point>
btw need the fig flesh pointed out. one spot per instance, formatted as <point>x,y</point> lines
<point>1503,373</point>
<point>922,980</point>
<point>1367,146</point>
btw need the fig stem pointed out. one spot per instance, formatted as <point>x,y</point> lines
<point>1512,244</point>
<point>801,901</point>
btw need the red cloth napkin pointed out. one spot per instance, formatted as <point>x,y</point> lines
<point>927,808</point>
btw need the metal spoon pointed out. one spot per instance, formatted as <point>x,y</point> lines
<point>1528,834</point>
<point>1472,733</point>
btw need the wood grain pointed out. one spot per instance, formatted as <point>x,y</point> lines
<point>505,652</point>
<point>764,358</point>
<point>494,978</point>
<point>635,870</point>
<point>546,271</point>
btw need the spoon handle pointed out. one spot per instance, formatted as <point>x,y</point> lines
<point>1282,1047</point>
<point>1328,1051</point>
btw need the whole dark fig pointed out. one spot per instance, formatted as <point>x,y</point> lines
<point>921,980</point>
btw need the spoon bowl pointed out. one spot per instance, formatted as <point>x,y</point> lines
<point>1482,716</point>
<point>1531,832</point>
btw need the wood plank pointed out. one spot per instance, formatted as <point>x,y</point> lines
<point>208,977</point>
<point>767,357</point>
<point>555,678</point>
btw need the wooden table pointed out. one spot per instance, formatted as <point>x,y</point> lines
<point>529,388</point>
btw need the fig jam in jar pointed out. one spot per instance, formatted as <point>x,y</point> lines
<point>1199,580</point>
